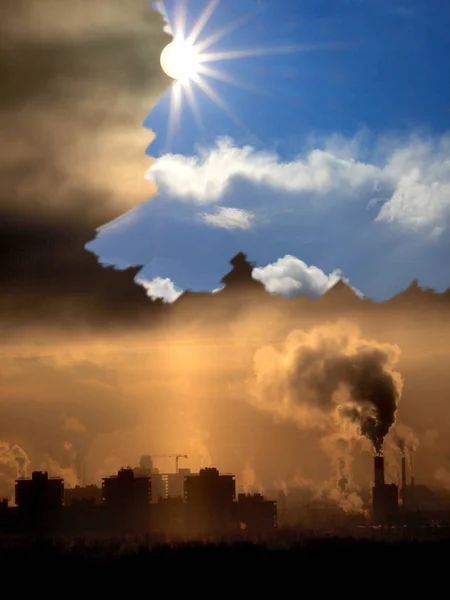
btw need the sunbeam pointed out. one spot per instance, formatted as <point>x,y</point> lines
<point>254,52</point>
<point>215,37</point>
<point>203,19</point>
<point>216,74</point>
<point>193,104</point>
<point>220,76</point>
<point>174,113</point>
<point>179,24</point>
<point>205,87</point>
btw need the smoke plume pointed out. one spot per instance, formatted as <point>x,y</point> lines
<point>341,489</point>
<point>198,447</point>
<point>407,442</point>
<point>14,463</point>
<point>248,478</point>
<point>331,378</point>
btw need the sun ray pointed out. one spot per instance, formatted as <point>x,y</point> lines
<point>180,19</point>
<point>174,112</point>
<point>215,37</point>
<point>193,104</point>
<point>202,20</point>
<point>220,76</point>
<point>253,52</point>
<point>212,95</point>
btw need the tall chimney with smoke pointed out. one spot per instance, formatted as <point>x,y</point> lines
<point>404,481</point>
<point>378,464</point>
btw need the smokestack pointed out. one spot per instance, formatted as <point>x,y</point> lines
<point>403,480</point>
<point>412,470</point>
<point>378,464</point>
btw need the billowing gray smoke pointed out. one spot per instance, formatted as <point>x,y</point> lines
<point>372,389</point>
<point>330,377</point>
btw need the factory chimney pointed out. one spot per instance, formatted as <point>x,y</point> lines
<point>378,464</point>
<point>404,481</point>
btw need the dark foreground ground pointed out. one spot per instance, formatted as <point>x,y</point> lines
<point>320,563</point>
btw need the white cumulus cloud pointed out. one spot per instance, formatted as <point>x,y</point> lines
<point>205,177</point>
<point>289,276</point>
<point>422,192</point>
<point>410,179</point>
<point>161,288</point>
<point>229,218</point>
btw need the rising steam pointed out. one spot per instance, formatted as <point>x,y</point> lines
<point>330,378</point>
<point>407,442</point>
<point>14,463</point>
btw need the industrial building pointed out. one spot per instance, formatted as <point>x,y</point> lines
<point>420,504</point>
<point>384,496</point>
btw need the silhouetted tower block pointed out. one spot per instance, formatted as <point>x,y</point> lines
<point>40,493</point>
<point>127,498</point>
<point>89,493</point>
<point>168,516</point>
<point>4,503</point>
<point>209,498</point>
<point>209,487</point>
<point>175,483</point>
<point>158,481</point>
<point>159,487</point>
<point>125,490</point>
<point>255,513</point>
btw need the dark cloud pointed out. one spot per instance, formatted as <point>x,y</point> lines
<point>77,82</point>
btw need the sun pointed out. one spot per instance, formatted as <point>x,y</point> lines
<point>179,60</point>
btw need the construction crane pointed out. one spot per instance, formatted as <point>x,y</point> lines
<point>175,456</point>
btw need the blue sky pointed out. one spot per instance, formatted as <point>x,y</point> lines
<point>339,162</point>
